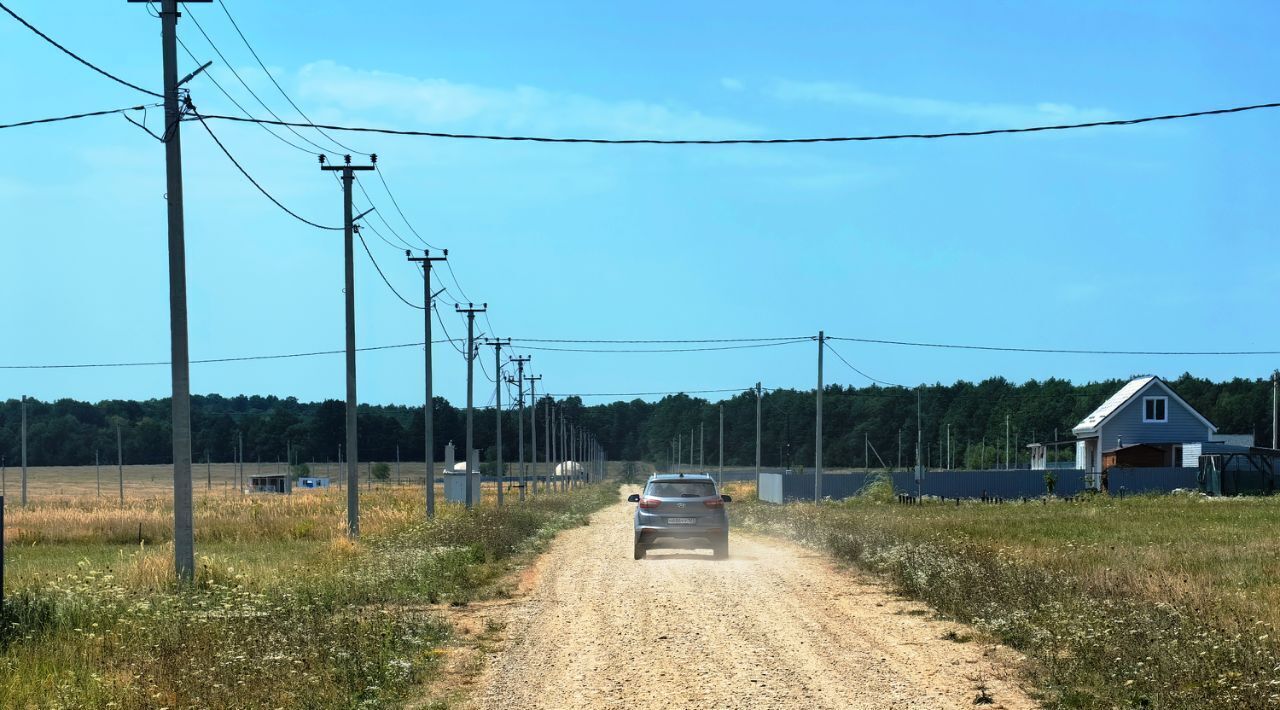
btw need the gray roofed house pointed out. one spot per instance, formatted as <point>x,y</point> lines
<point>1145,411</point>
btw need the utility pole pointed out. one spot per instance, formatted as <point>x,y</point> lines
<point>564,454</point>
<point>1006,442</point>
<point>208,471</point>
<point>533,429</point>
<point>240,458</point>
<point>679,450</point>
<point>348,231</point>
<point>180,374</point>
<point>919,446</point>
<point>948,447</point>
<point>497,344</point>
<point>551,444</point>
<point>817,446</point>
<point>1275,408</point>
<point>428,408</point>
<point>721,459</point>
<point>524,478</point>
<point>471,312</point>
<point>97,470</point>
<point>702,438</point>
<point>120,461</point>
<point>759,396</point>
<point>24,451</point>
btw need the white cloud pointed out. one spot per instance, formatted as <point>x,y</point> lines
<point>442,104</point>
<point>994,115</point>
<point>732,84</point>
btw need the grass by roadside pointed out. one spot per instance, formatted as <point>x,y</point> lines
<point>1136,603</point>
<point>329,623</point>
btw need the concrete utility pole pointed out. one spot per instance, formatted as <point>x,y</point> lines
<point>551,443</point>
<point>120,461</point>
<point>759,397</point>
<point>533,428</point>
<point>497,344</point>
<point>348,251</point>
<point>24,451</point>
<point>919,446</point>
<point>1275,408</point>
<point>240,458</point>
<point>564,453</point>
<point>180,375</point>
<point>679,450</point>
<point>428,408</point>
<point>720,461</point>
<point>520,361</point>
<point>817,446</point>
<point>948,447</point>
<point>1006,442</point>
<point>471,312</point>
<point>702,438</point>
<point>97,470</point>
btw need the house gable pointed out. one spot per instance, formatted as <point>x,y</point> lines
<point>1128,424</point>
<point>1135,391</point>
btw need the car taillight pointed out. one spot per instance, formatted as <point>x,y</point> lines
<point>648,503</point>
<point>716,502</point>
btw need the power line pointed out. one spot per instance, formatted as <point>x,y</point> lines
<point>77,57</point>
<point>763,141</point>
<point>261,189</point>
<point>448,338</point>
<point>645,394</point>
<point>79,366</point>
<point>232,99</point>
<point>665,350</point>
<point>662,342</point>
<point>277,84</point>
<point>74,116</point>
<point>860,372</point>
<point>248,88</point>
<point>384,276</point>
<point>1058,351</point>
<point>387,187</point>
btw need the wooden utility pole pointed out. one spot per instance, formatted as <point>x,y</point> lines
<point>471,312</point>
<point>428,407</point>
<point>348,172</point>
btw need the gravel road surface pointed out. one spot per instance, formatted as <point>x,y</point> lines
<point>774,626</point>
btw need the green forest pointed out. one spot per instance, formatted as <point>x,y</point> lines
<point>880,420</point>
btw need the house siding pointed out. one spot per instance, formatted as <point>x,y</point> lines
<point>1182,425</point>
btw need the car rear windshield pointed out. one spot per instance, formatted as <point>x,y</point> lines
<point>682,489</point>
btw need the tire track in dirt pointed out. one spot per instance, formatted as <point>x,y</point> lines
<point>774,626</point>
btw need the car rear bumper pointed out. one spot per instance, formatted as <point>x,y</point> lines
<point>648,534</point>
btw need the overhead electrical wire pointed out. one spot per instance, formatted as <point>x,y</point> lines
<point>279,88</point>
<point>77,57</point>
<point>254,94</point>
<point>860,372</point>
<point>767,141</point>
<point>661,342</point>
<point>406,301</point>
<point>385,186</point>
<point>1056,351</point>
<point>206,361</point>
<point>208,75</point>
<point>643,394</point>
<point>665,350</point>
<point>261,189</point>
<point>74,116</point>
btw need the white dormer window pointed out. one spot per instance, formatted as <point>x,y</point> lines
<point>1155,409</point>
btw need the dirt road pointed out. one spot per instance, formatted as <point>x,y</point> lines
<point>775,626</point>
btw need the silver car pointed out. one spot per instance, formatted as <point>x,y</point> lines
<point>681,510</point>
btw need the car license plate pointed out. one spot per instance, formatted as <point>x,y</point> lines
<point>681,521</point>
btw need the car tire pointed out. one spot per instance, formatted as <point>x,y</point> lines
<point>721,549</point>
<point>639,551</point>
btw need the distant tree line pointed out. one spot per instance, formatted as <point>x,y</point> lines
<point>68,432</point>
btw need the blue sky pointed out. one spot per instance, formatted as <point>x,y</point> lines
<point>1149,237</point>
